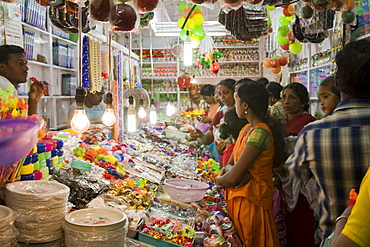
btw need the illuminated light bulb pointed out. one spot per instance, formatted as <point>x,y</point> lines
<point>193,81</point>
<point>108,117</point>
<point>170,110</point>
<point>153,114</point>
<point>80,122</point>
<point>141,113</point>
<point>131,119</point>
<point>188,52</point>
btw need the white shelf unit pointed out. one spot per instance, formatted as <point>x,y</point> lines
<point>313,73</point>
<point>55,107</point>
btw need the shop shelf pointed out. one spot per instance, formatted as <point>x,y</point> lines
<point>64,40</point>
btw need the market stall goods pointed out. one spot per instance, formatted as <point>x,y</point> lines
<point>95,227</point>
<point>40,206</point>
<point>7,229</point>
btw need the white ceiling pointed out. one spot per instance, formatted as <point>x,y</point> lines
<point>166,16</point>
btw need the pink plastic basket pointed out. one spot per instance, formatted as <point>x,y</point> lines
<point>17,138</point>
<point>185,190</point>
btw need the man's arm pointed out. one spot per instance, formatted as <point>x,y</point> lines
<point>34,95</point>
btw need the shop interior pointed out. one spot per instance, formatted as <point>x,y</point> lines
<point>108,158</point>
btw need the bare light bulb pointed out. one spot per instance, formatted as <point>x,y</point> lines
<point>141,113</point>
<point>131,119</point>
<point>108,117</point>
<point>80,122</point>
<point>153,114</point>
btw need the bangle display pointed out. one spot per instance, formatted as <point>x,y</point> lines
<point>339,218</point>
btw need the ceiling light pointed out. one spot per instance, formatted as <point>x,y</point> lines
<point>188,52</point>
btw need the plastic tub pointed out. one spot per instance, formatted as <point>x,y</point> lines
<point>185,190</point>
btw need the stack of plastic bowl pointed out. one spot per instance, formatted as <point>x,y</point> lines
<point>7,229</point>
<point>40,207</point>
<point>95,227</point>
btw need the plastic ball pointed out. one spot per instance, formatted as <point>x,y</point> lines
<point>283,20</point>
<point>181,6</point>
<point>266,62</point>
<point>274,62</point>
<point>195,41</point>
<point>281,40</point>
<point>183,34</point>
<point>295,47</point>
<point>276,70</point>
<point>290,37</point>
<point>198,31</point>
<point>283,61</point>
<point>283,30</point>
<point>180,22</point>
<point>285,47</point>
<point>185,13</point>
<point>189,25</point>
<point>198,19</point>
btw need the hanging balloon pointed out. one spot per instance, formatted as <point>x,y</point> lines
<point>281,40</point>
<point>290,37</point>
<point>176,50</point>
<point>199,7</point>
<point>276,70</point>
<point>290,18</point>
<point>270,7</point>
<point>290,9</point>
<point>274,63</point>
<point>283,21</point>
<point>195,41</point>
<point>198,19</point>
<point>186,11</point>
<point>287,13</point>
<point>198,31</point>
<point>183,34</point>
<point>266,62</point>
<point>99,10</point>
<point>295,47</point>
<point>198,12</point>
<point>189,25</point>
<point>146,5</point>
<point>283,61</point>
<point>180,22</point>
<point>181,6</point>
<point>122,17</point>
<point>285,47</point>
<point>283,30</point>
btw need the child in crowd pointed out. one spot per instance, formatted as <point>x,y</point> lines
<point>329,95</point>
<point>230,130</point>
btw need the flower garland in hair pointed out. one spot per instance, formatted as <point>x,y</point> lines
<point>85,63</point>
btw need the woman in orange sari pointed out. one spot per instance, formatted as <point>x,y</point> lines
<point>248,175</point>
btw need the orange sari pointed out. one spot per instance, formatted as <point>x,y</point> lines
<point>250,206</point>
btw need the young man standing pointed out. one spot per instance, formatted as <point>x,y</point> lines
<point>14,71</point>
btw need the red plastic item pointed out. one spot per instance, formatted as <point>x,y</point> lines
<point>183,81</point>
